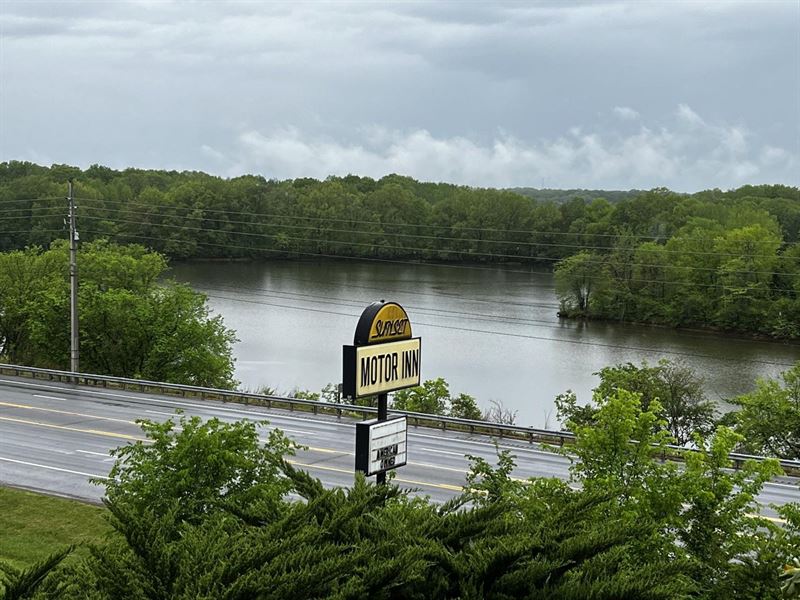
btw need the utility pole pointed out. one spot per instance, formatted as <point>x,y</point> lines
<point>383,415</point>
<point>73,285</point>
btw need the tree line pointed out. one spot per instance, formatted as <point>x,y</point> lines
<point>724,259</point>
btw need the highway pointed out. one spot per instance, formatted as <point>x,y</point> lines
<point>54,437</point>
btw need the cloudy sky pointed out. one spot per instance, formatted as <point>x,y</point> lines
<point>616,95</point>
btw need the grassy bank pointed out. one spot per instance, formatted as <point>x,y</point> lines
<point>34,525</point>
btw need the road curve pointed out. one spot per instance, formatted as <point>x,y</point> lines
<point>55,437</point>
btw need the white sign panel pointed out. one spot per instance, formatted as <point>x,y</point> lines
<point>381,445</point>
<point>385,367</point>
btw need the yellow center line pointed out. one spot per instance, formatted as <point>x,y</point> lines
<point>409,463</point>
<point>444,486</point>
<point>773,519</point>
<point>66,412</point>
<point>122,436</point>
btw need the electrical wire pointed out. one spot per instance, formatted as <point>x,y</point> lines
<point>384,246</point>
<point>655,351</point>
<point>528,232</point>
<point>425,310</point>
<point>17,200</point>
<point>417,225</point>
<point>433,237</point>
<point>439,251</point>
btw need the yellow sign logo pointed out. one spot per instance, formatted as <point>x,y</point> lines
<point>389,324</point>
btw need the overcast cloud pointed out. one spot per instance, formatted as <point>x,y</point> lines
<point>687,95</point>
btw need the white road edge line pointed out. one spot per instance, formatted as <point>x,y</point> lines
<point>51,468</point>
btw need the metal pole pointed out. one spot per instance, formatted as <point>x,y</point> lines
<point>383,415</point>
<point>73,285</point>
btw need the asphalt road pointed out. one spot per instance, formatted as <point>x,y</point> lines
<point>54,437</point>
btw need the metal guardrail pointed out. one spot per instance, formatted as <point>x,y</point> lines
<point>530,434</point>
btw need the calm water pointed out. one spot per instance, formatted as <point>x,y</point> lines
<point>492,333</point>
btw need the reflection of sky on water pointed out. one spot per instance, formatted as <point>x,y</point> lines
<point>293,317</point>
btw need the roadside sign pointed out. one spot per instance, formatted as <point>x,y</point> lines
<point>381,368</point>
<point>384,358</point>
<point>381,445</point>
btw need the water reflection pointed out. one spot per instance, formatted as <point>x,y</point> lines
<point>490,332</point>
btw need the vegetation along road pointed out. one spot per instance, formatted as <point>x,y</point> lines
<point>54,437</point>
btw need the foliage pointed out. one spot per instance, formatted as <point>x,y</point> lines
<point>708,512</point>
<point>791,575</point>
<point>678,389</point>
<point>578,279</point>
<point>618,450</point>
<point>192,468</point>
<point>131,325</point>
<point>18,584</point>
<point>517,540</point>
<point>769,417</point>
<point>433,397</point>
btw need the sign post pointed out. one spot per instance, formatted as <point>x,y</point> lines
<point>383,358</point>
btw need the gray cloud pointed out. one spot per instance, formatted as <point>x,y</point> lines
<point>650,156</point>
<point>688,95</point>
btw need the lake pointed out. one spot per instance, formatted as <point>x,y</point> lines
<point>491,332</point>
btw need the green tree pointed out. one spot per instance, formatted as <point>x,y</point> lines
<point>464,406</point>
<point>677,388</point>
<point>431,397</point>
<point>579,278</point>
<point>618,451</point>
<point>132,323</point>
<point>769,417</point>
<point>719,525</point>
<point>191,468</point>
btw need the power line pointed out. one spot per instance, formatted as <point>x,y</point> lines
<point>417,225</point>
<point>28,210</point>
<point>324,255</point>
<point>429,311</point>
<point>17,200</point>
<point>434,237</point>
<point>419,293</point>
<point>438,227</point>
<point>520,335</point>
<point>338,301</point>
<point>455,239</point>
<point>383,246</point>
<point>433,264</point>
<point>33,231</point>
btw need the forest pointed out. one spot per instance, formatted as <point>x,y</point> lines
<point>727,260</point>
